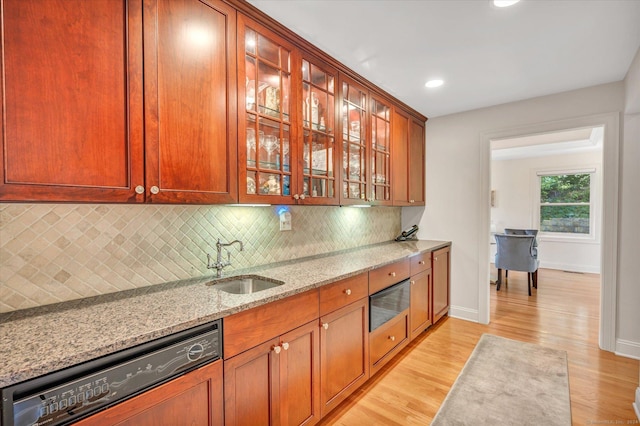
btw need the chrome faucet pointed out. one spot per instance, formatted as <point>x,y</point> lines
<point>220,264</point>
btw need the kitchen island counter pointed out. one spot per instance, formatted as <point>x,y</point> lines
<point>41,340</point>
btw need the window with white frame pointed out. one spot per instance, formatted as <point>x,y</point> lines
<point>566,205</point>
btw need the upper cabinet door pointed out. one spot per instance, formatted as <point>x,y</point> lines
<point>72,101</point>
<point>380,151</point>
<point>416,162</point>
<point>266,131</point>
<point>190,92</point>
<point>408,159</point>
<point>318,148</point>
<point>355,142</point>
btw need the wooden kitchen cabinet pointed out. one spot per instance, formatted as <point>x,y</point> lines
<point>421,284</point>
<point>441,272</point>
<point>72,101</point>
<point>190,97</point>
<point>277,382</point>
<point>344,340</point>
<point>272,363</point>
<point>408,169</point>
<point>195,398</point>
<point>268,75</point>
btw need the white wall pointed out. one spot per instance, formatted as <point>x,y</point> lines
<point>455,175</point>
<point>516,190</point>
<point>628,317</point>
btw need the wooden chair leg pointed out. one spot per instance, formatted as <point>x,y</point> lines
<point>506,274</point>
<point>529,282</point>
<point>499,280</point>
<point>535,279</point>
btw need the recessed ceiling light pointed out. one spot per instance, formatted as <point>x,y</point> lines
<point>504,3</point>
<point>434,83</point>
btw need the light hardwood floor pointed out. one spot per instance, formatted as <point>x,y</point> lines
<point>561,314</point>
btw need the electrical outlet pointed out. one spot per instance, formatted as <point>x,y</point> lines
<point>285,221</point>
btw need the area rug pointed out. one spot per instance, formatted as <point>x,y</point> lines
<point>506,382</point>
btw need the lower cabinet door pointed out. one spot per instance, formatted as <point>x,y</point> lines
<point>420,303</point>
<point>440,293</point>
<point>344,343</point>
<point>300,376</point>
<point>193,399</point>
<point>250,386</point>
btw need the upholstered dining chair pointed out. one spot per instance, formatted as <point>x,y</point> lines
<point>516,253</point>
<point>534,232</point>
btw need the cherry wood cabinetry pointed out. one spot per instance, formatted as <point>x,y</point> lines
<point>387,340</point>
<point>72,101</point>
<point>441,270</point>
<point>277,381</point>
<point>195,398</point>
<point>344,340</point>
<point>387,275</point>
<point>421,285</point>
<point>408,159</point>
<point>190,86</point>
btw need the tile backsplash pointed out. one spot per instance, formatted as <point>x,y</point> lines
<point>57,252</point>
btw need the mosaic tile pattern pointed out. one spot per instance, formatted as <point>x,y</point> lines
<point>57,252</point>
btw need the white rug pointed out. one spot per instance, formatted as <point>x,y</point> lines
<point>506,382</point>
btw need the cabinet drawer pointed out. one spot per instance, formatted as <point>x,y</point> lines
<point>249,328</point>
<point>384,339</point>
<point>387,275</point>
<point>335,296</point>
<point>420,263</point>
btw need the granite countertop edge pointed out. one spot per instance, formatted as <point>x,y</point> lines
<point>47,339</point>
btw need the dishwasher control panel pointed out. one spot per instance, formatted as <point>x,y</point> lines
<point>88,387</point>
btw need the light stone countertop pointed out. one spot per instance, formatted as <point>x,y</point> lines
<point>41,340</point>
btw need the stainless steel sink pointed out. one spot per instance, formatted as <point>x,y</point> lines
<point>246,284</point>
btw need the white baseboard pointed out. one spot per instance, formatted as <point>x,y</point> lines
<point>628,349</point>
<point>464,313</point>
<point>588,269</point>
<point>636,405</point>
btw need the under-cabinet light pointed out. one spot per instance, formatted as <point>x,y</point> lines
<point>248,205</point>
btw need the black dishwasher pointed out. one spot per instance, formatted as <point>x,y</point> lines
<point>67,395</point>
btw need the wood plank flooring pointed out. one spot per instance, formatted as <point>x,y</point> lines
<point>561,314</point>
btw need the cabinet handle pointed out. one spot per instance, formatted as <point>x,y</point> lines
<point>296,196</point>
<point>285,346</point>
<point>277,349</point>
<point>392,274</point>
<point>392,338</point>
<point>139,189</point>
<point>413,282</point>
<point>302,196</point>
<point>154,189</point>
<point>325,325</point>
<point>348,292</point>
<point>421,262</point>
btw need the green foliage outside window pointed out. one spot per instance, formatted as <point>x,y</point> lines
<point>565,203</point>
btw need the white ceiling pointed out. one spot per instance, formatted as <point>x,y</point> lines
<point>486,55</point>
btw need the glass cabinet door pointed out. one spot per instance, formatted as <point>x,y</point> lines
<point>265,122</point>
<point>354,143</point>
<point>318,134</point>
<point>380,152</point>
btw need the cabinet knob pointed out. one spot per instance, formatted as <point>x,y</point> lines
<point>325,325</point>
<point>277,349</point>
<point>302,196</point>
<point>421,262</point>
<point>392,274</point>
<point>154,189</point>
<point>392,338</point>
<point>285,346</point>
<point>413,282</point>
<point>139,189</point>
<point>348,292</point>
<point>296,196</point>
<point>412,201</point>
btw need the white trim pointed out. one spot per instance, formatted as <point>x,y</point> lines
<point>636,405</point>
<point>609,219</point>
<point>463,313</point>
<point>628,349</point>
<point>553,172</point>
<point>587,269</point>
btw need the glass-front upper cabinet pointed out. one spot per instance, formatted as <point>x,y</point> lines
<point>380,151</point>
<point>319,184</point>
<point>265,120</point>
<point>353,116</point>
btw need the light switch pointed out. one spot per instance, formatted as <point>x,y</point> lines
<point>285,221</point>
